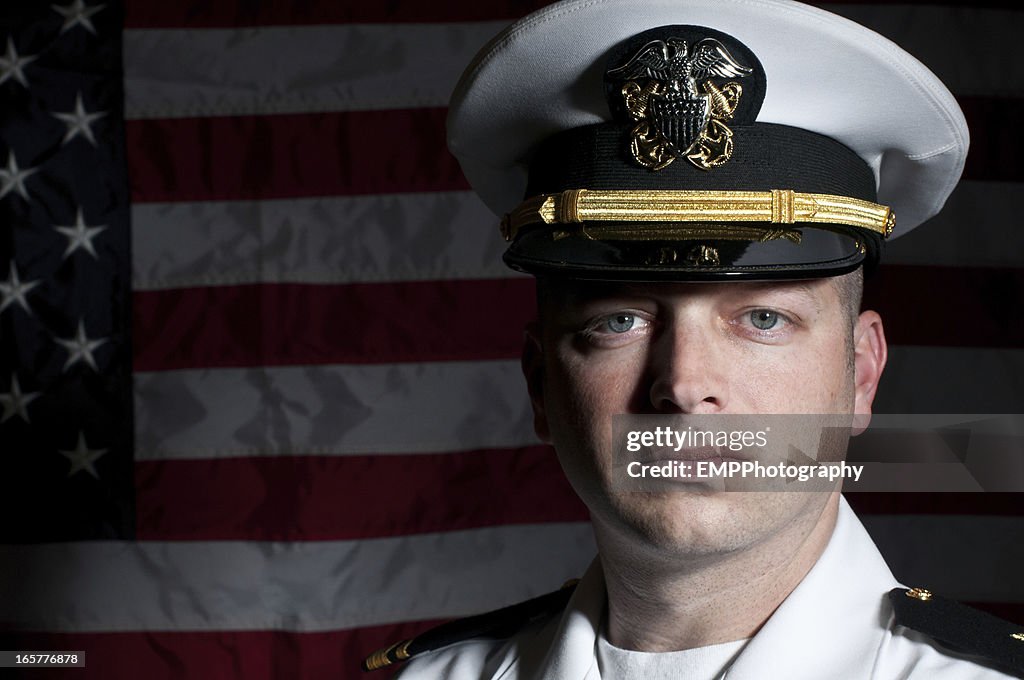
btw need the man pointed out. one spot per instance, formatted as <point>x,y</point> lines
<point>699,187</point>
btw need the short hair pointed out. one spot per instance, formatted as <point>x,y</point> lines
<point>850,288</point>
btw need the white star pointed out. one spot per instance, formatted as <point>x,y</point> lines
<point>79,122</point>
<point>15,402</point>
<point>77,14</point>
<point>11,65</point>
<point>12,178</point>
<point>83,457</point>
<point>80,236</point>
<point>80,348</point>
<point>13,290</point>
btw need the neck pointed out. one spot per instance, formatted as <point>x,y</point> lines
<point>659,603</point>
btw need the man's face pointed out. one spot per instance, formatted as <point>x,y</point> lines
<point>732,348</point>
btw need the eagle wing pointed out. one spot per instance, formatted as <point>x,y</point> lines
<point>653,60</point>
<point>711,58</point>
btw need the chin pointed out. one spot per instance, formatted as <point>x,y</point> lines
<point>704,522</point>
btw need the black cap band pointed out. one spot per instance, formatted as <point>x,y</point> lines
<point>766,157</point>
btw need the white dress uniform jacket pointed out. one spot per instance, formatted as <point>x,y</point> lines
<point>836,624</point>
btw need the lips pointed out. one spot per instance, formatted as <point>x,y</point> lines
<point>716,454</point>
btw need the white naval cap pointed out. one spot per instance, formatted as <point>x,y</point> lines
<point>823,78</point>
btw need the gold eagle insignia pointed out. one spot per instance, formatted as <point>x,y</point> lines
<point>675,116</point>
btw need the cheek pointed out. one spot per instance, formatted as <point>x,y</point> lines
<point>572,404</point>
<point>575,395</point>
<point>593,386</point>
<point>582,393</point>
<point>812,376</point>
<point>817,379</point>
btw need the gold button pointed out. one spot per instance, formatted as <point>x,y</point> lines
<point>1018,636</point>
<point>920,594</point>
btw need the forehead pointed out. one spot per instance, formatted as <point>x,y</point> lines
<point>568,293</point>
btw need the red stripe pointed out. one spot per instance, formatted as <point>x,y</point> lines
<point>230,13</point>
<point>289,156</point>
<point>253,655</point>
<point>391,151</point>
<point>291,324</point>
<point>1003,504</point>
<point>352,497</point>
<point>945,306</point>
<point>226,14</point>
<point>306,498</point>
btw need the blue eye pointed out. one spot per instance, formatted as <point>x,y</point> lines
<point>764,319</point>
<point>620,323</point>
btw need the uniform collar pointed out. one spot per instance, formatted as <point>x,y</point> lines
<point>844,591</point>
<point>803,640</point>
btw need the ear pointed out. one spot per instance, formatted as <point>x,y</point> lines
<point>533,370</point>
<point>870,352</point>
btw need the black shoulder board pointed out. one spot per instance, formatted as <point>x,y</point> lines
<point>961,628</point>
<point>494,625</point>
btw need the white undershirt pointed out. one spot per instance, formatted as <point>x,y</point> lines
<point>702,663</point>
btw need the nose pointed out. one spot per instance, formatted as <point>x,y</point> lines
<point>687,371</point>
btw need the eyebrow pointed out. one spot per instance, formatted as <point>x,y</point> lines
<point>805,289</point>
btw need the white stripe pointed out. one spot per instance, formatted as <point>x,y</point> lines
<point>975,558</point>
<point>458,406</point>
<point>391,237</point>
<point>296,69</point>
<point>315,586</point>
<point>173,73</point>
<point>449,235</point>
<point>330,585</point>
<point>331,410</point>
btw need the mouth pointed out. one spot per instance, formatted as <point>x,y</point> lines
<point>715,454</point>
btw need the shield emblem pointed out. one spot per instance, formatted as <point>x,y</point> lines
<point>680,118</point>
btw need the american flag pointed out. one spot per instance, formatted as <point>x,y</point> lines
<point>262,410</point>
